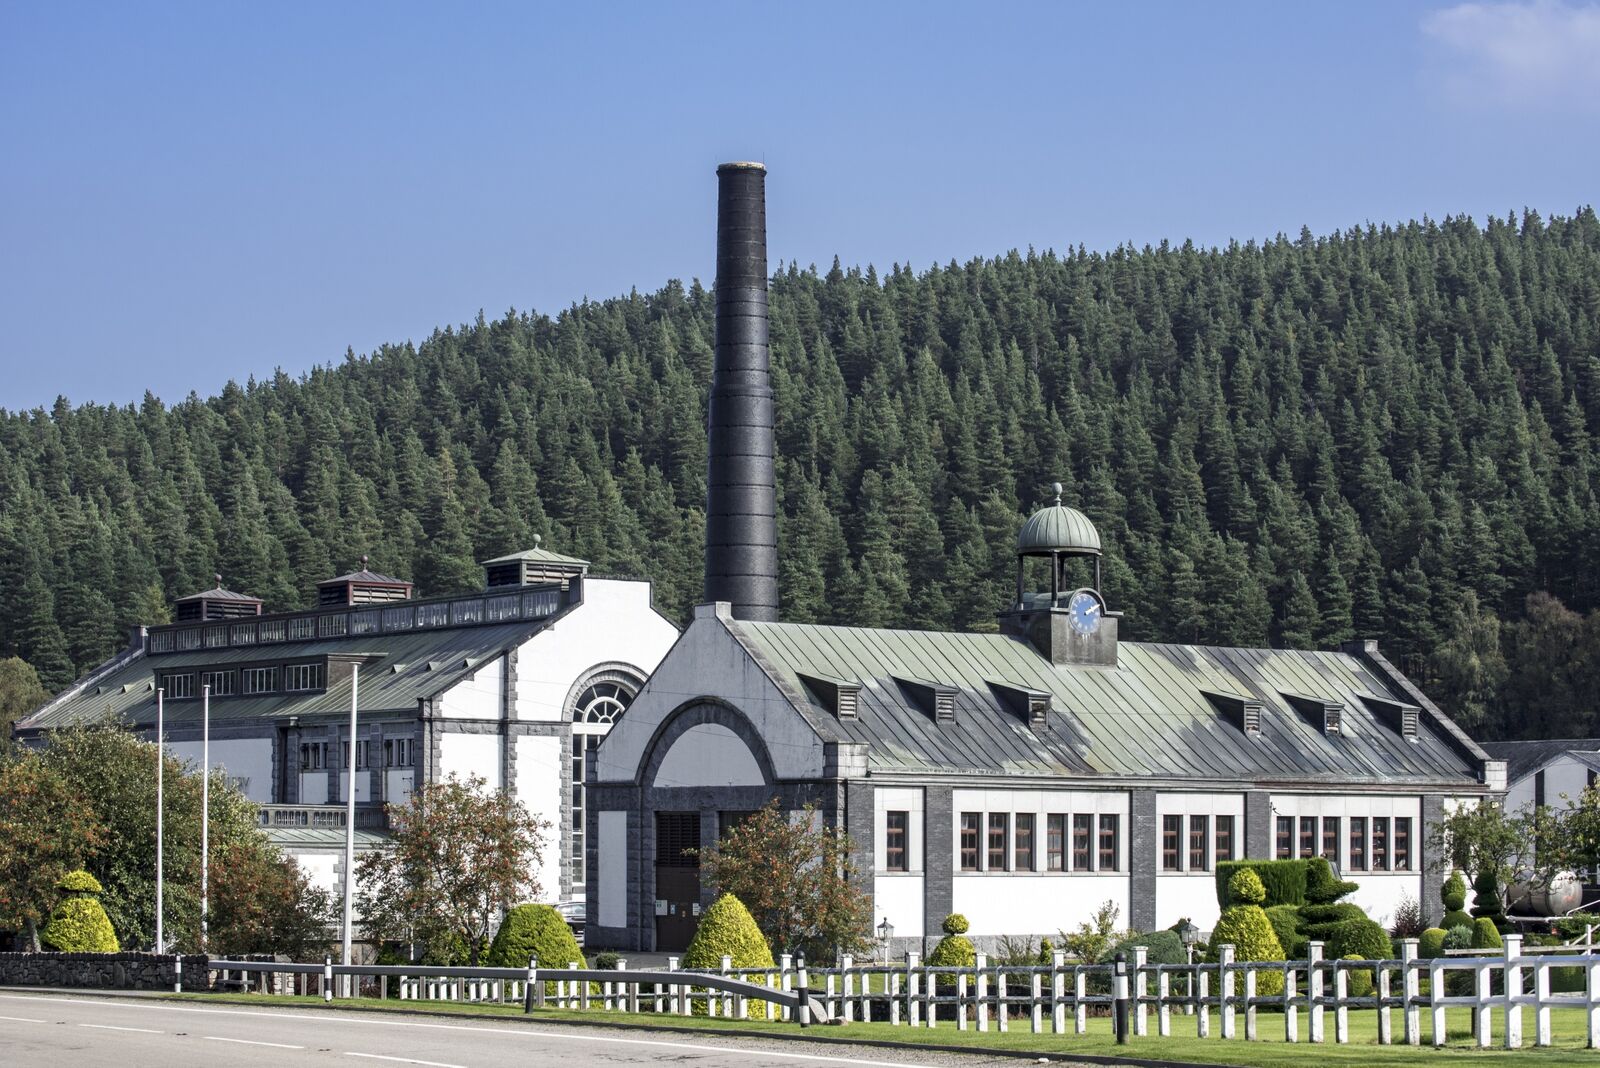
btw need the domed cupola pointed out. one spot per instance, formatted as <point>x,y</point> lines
<point>1070,626</point>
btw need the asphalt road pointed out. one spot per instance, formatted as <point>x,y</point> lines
<point>73,1031</point>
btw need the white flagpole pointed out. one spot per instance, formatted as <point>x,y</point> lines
<point>205,811</point>
<point>161,774</point>
<point>350,814</point>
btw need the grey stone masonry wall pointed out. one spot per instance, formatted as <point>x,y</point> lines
<point>1432,874</point>
<point>120,971</point>
<point>938,852</point>
<point>1257,825</point>
<point>1142,850</point>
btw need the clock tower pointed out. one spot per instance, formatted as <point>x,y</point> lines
<point>1068,625</point>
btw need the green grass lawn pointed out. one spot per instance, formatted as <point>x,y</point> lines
<point>1268,1051</point>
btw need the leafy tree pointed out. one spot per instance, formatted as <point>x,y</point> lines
<point>46,829</point>
<point>262,902</point>
<point>797,880</point>
<point>460,856</point>
<point>20,693</point>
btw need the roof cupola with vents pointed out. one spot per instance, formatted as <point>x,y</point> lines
<point>216,603</point>
<point>533,567</point>
<point>362,587</point>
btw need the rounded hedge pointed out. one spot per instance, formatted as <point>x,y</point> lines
<point>956,924</point>
<point>728,930</point>
<point>1358,981</point>
<point>79,882</point>
<point>80,925</point>
<point>533,931</point>
<point>1485,935</point>
<point>1161,947</point>
<point>1246,888</point>
<point>1285,920</point>
<point>1248,930</point>
<point>1431,943</point>
<point>1456,918</point>
<point>1361,938</point>
<point>1454,894</point>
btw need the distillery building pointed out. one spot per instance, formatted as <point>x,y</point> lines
<point>1022,777</point>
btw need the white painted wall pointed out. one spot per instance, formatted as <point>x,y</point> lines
<point>465,755</point>
<point>615,624</point>
<point>248,759</point>
<point>538,786</point>
<point>398,785</point>
<point>899,898</point>
<point>321,867</point>
<point>313,788</point>
<point>1562,776</point>
<point>1004,903</point>
<point>613,873</point>
<point>478,696</point>
<point>363,786</point>
<point>709,754</point>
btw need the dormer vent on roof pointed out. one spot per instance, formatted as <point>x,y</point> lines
<point>1325,715</point>
<point>841,698</point>
<point>936,700</point>
<point>1398,715</point>
<point>1244,712</point>
<point>1027,704</point>
<point>362,587</point>
<point>216,603</point>
<point>534,567</point>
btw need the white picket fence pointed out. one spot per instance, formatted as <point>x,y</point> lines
<point>1216,999</point>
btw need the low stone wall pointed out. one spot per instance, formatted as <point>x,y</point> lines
<point>122,971</point>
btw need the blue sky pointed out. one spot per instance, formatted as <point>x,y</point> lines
<point>197,192</point>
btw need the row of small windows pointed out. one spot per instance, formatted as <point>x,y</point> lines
<point>1005,841</point>
<point>1374,843</point>
<point>1209,841</point>
<point>296,678</point>
<point>397,753</point>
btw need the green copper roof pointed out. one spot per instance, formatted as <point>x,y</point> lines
<point>1058,529</point>
<point>538,556</point>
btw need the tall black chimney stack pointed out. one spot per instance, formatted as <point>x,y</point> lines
<point>741,489</point>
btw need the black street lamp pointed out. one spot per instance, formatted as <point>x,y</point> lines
<point>1189,935</point>
<point>885,932</point>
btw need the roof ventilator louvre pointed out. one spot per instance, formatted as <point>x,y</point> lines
<point>1027,704</point>
<point>1328,715</point>
<point>838,696</point>
<point>1399,715</point>
<point>1245,712</point>
<point>935,699</point>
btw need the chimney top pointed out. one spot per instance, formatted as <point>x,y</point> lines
<point>741,165</point>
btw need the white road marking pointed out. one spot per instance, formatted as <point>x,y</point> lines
<point>112,1027</point>
<point>501,1030</point>
<point>251,1042</point>
<point>21,1019</point>
<point>402,1060</point>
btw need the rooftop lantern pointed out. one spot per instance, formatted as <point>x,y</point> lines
<point>1070,626</point>
<point>533,567</point>
<point>216,603</point>
<point>362,587</point>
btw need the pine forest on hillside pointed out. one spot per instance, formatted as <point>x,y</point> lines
<point>1389,432</point>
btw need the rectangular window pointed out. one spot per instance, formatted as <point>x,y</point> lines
<point>222,683</point>
<point>311,756</point>
<point>1330,839</point>
<point>1308,836</point>
<point>297,678</point>
<point>970,830</point>
<point>1224,838</point>
<point>1082,841</point>
<point>303,627</point>
<point>896,856</point>
<point>1171,831</point>
<point>1055,841</point>
<point>260,680</point>
<point>1285,844</point>
<point>1199,831</point>
<point>178,687</point>
<point>1380,843</point>
<point>1402,843</point>
<point>1109,851</point>
<point>999,832</point>
<point>1358,843</point>
<point>397,752</point>
<point>361,755</point>
<point>1022,843</point>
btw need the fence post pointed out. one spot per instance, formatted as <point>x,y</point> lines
<point>1541,1010</point>
<point>177,973</point>
<point>1314,990</point>
<point>1058,992</point>
<point>1249,1003</point>
<point>1591,988</point>
<point>913,1009</point>
<point>1202,1007</point>
<point>1291,1006</point>
<point>1385,1027</point>
<point>847,987</point>
<point>1119,998</point>
<point>327,978</point>
<point>981,992</point>
<point>1341,1011</point>
<point>630,987</point>
<point>1141,990</point>
<point>1482,989</point>
<point>727,999</point>
<point>1080,1007</point>
<point>675,994</point>
<point>1436,996</point>
<point>1513,990</point>
<point>1411,1011</point>
<point>527,988</point>
<point>1225,988</point>
<point>1036,993</point>
<point>785,963</point>
<point>1163,1010</point>
<point>803,991</point>
<point>961,1001</point>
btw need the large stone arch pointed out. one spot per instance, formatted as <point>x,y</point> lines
<point>702,712</point>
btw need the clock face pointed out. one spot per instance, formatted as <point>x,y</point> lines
<point>1084,612</point>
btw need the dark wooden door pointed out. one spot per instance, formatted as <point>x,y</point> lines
<point>677,879</point>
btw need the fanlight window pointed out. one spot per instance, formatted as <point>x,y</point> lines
<point>602,703</point>
<point>593,714</point>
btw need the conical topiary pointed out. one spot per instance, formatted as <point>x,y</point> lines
<point>533,931</point>
<point>1453,895</point>
<point>1246,927</point>
<point>728,930</point>
<point>955,950</point>
<point>1486,900</point>
<point>79,924</point>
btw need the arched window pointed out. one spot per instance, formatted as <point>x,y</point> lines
<point>595,710</point>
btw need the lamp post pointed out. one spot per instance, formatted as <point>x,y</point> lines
<point>885,933</point>
<point>350,815</point>
<point>1189,935</point>
<point>205,811</point>
<point>161,774</point>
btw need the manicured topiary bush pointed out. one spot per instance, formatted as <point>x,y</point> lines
<point>1453,895</point>
<point>728,930</point>
<point>1323,887</point>
<point>79,924</point>
<point>954,950</point>
<point>1362,938</point>
<point>1285,920</point>
<point>1485,935</point>
<point>1245,926</point>
<point>1283,880</point>
<point>605,962</point>
<point>1360,981</point>
<point>1458,937</point>
<point>1323,910</point>
<point>1161,947</point>
<point>1487,902</point>
<point>533,931</point>
<point>1431,943</point>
